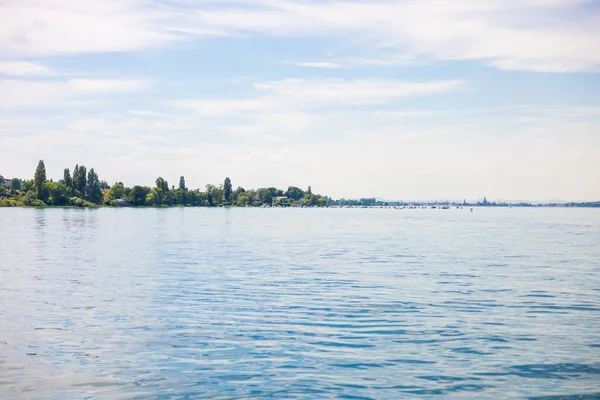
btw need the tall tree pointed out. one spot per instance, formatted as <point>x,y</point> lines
<point>182,183</point>
<point>82,180</point>
<point>39,179</point>
<point>67,177</point>
<point>75,178</point>
<point>93,190</point>
<point>309,191</point>
<point>162,184</point>
<point>227,189</point>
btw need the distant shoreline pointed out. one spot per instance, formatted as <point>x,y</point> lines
<point>407,207</point>
<point>83,189</point>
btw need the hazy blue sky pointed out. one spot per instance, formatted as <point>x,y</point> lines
<point>428,99</point>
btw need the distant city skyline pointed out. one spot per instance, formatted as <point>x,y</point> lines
<point>402,100</point>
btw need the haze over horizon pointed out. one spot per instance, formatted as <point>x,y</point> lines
<point>394,99</point>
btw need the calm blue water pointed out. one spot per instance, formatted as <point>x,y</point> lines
<point>299,303</point>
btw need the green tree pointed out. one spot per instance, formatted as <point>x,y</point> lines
<point>197,198</point>
<point>15,184</point>
<point>294,193</point>
<point>236,193</point>
<point>210,198</point>
<point>310,199</point>
<point>214,195</point>
<point>138,194</point>
<point>368,202</point>
<point>57,193</point>
<point>30,198</point>
<point>191,197</point>
<point>309,191</point>
<point>79,179</point>
<point>39,179</point>
<point>75,178</point>
<point>227,189</point>
<point>82,184</point>
<point>243,199</point>
<point>266,197</point>
<point>179,197</point>
<point>67,178</point>
<point>162,184</point>
<point>28,186</point>
<point>117,191</point>
<point>161,193</point>
<point>154,197</point>
<point>254,198</point>
<point>93,190</point>
<point>181,194</point>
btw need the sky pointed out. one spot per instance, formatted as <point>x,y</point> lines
<point>401,100</point>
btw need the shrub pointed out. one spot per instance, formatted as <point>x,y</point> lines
<point>37,203</point>
<point>79,202</point>
<point>7,202</point>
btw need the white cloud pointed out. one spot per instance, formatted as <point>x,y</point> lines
<point>516,109</point>
<point>304,109</point>
<point>277,155</point>
<point>215,107</point>
<point>50,93</point>
<point>320,64</point>
<point>535,35</point>
<point>144,113</point>
<point>388,60</point>
<point>107,85</point>
<point>31,27</point>
<point>23,68</point>
<point>583,112</point>
<point>357,91</point>
<point>299,94</point>
<point>553,36</point>
<point>409,114</point>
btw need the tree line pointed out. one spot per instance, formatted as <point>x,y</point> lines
<point>82,188</point>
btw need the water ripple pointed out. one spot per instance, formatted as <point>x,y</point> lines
<point>299,304</point>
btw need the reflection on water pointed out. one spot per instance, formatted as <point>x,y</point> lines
<point>255,303</point>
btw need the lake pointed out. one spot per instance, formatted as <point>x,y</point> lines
<point>299,303</point>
